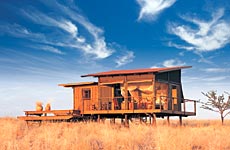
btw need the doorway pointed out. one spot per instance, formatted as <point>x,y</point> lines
<point>175,97</point>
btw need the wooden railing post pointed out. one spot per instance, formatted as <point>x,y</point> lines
<point>195,107</point>
<point>184,106</point>
<point>154,103</point>
<point>172,103</point>
<point>108,104</point>
<point>160,103</point>
<point>133,103</point>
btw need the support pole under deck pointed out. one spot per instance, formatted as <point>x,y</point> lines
<point>168,121</point>
<point>126,120</point>
<point>154,119</point>
<point>98,118</point>
<point>180,120</point>
<point>150,120</point>
<point>112,121</point>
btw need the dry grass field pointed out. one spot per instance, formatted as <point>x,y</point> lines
<point>193,135</point>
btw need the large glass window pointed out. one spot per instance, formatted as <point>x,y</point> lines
<point>174,94</point>
<point>162,94</point>
<point>162,76</point>
<point>174,76</point>
<point>86,93</point>
<point>171,76</point>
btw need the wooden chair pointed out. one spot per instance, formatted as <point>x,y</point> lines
<point>116,105</point>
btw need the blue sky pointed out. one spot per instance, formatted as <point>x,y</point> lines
<point>44,43</point>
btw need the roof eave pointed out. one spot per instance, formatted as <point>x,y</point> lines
<point>115,74</point>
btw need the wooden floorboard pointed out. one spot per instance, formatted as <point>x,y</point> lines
<point>138,111</point>
<point>44,118</point>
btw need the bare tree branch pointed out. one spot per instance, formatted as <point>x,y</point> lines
<point>226,114</point>
<point>217,103</point>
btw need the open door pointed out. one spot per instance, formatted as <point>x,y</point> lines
<point>175,97</point>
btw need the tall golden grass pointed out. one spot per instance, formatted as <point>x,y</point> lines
<point>193,135</point>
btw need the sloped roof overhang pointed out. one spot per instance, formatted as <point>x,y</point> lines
<point>78,84</point>
<point>135,71</point>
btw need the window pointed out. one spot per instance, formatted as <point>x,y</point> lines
<point>161,92</point>
<point>86,93</point>
<point>174,76</point>
<point>162,76</point>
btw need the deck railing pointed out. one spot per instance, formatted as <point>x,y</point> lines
<point>141,103</point>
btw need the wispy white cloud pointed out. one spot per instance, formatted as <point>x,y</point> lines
<point>169,63</point>
<point>155,66</point>
<point>93,44</point>
<point>127,57</point>
<point>43,19</point>
<point>22,32</point>
<point>173,62</point>
<point>203,59</point>
<point>216,70</point>
<point>76,32</point>
<point>98,46</point>
<point>213,79</point>
<point>170,44</point>
<point>48,49</point>
<point>150,9</point>
<point>209,36</point>
<point>19,31</point>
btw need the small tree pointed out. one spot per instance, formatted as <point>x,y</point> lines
<point>217,104</point>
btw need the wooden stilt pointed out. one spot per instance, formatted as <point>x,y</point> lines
<point>112,120</point>
<point>154,119</point>
<point>91,118</point>
<point>126,120</point>
<point>168,121</point>
<point>98,118</point>
<point>180,119</point>
<point>150,120</point>
<point>103,120</point>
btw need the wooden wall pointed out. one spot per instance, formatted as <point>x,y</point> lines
<point>140,77</point>
<point>122,78</point>
<point>86,104</point>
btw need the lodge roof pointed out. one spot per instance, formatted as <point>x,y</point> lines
<point>77,84</point>
<point>136,71</point>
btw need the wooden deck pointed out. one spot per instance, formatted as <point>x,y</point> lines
<point>52,115</point>
<point>66,115</point>
<point>52,112</point>
<point>140,111</point>
<point>45,118</point>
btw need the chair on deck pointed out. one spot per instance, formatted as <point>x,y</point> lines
<point>116,105</point>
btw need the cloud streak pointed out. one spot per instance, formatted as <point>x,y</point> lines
<point>208,36</point>
<point>150,9</point>
<point>216,70</point>
<point>67,30</point>
<point>173,62</point>
<point>127,57</point>
<point>97,47</point>
<point>48,49</point>
<point>19,31</point>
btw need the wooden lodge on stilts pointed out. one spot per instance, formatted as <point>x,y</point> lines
<point>124,94</point>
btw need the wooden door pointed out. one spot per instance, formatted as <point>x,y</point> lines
<point>175,97</point>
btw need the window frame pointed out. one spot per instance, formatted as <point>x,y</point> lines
<point>86,96</point>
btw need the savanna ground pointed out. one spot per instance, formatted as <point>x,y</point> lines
<point>193,135</point>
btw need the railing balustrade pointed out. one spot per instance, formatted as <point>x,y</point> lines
<point>141,103</point>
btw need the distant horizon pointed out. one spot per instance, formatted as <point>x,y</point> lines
<point>46,43</point>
